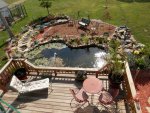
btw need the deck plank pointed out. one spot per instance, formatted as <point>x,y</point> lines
<point>56,100</point>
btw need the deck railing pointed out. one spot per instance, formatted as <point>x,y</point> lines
<point>13,64</point>
<point>130,90</point>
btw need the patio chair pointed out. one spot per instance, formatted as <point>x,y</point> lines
<point>84,22</point>
<point>79,96</point>
<point>108,98</point>
<point>28,86</point>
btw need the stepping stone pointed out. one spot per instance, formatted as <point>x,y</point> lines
<point>148,109</point>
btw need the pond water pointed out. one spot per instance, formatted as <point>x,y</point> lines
<point>86,58</point>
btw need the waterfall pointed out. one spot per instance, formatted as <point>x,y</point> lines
<point>100,61</point>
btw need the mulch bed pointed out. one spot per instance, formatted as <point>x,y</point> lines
<point>143,88</point>
<point>66,31</point>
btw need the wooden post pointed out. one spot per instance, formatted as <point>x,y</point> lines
<point>135,106</point>
<point>55,73</point>
<point>3,88</point>
<point>97,72</point>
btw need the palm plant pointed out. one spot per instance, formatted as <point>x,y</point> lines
<point>46,4</point>
<point>116,59</point>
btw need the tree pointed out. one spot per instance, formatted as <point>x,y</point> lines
<point>46,4</point>
<point>106,4</point>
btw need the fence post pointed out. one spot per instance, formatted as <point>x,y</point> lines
<point>97,74</point>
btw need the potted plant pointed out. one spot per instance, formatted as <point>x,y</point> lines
<point>81,75</point>
<point>116,74</point>
<point>116,59</point>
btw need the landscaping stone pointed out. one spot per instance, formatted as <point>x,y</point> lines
<point>59,32</point>
<point>128,41</point>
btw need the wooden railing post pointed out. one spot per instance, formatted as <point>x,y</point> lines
<point>97,74</point>
<point>5,74</point>
<point>55,72</point>
<point>3,88</point>
<point>131,91</point>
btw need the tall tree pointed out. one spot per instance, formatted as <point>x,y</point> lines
<point>46,4</point>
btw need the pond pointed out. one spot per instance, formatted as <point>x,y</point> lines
<point>86,58</point>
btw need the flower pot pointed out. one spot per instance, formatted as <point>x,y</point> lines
<point>115,80</point>
<point>80,75</point>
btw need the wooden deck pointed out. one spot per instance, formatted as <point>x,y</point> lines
<point>57,99</point>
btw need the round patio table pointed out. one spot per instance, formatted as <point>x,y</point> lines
<point>93,86</point>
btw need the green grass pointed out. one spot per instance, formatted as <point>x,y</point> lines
<point>11,1</point>
<point>2,52</point>
<point>136,15</point>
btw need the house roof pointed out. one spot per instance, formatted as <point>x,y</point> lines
<point>3,4</point>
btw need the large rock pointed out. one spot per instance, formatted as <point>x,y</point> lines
<point>128,41</point>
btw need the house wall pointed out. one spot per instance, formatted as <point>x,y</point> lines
<point>6,13</point>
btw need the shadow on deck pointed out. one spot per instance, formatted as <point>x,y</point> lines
<point>57,99</point>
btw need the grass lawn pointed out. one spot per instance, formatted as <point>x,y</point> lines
<point>136,15</point>
<point>11,1</point>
